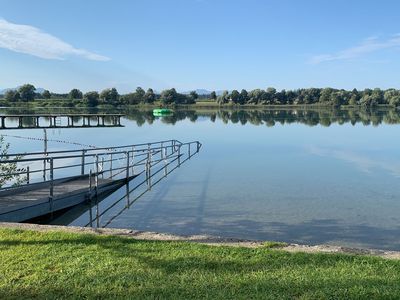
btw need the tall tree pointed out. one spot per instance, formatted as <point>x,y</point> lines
<point>244,96</point>
<point>169,96</point>
<point>235,96</point>
<point>213,95</point>
<point>91,98</point>
<point>149,96</point>
<point>12,96</point>
<point>109,96</point>
<point>75,94</point>
<point>27,92</point>
<point>140,94</point>
<point>223,98</point>
<point>46,94</point>
<point>194,96</point>
<point>325,95</point>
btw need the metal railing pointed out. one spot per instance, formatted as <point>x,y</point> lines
<point>170,164</point>
<point>52,167</point>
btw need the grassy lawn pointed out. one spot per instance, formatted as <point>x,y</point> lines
<point>68,265</point>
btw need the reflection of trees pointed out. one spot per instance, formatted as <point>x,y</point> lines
<point>257,117</point>
<point>311,117</point>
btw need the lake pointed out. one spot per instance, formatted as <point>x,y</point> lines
<point>302,176</point>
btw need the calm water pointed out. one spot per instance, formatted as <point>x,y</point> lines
<point>306,177</point>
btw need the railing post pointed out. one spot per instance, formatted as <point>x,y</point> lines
<point>133,160</point>
<point>127,166</point>
<point>51,192</point>
<point>90,184</point>
<point>111,165</point>
<point>96,178</point>
<point>165,161</point>
<point>90,199</point>
<point>27,175</point>
<point>83,162</point>
<point>148,170</point>
<point>150,158</point>
<point>102,167</point>
<point>96,187</point>
<point>179,155</point>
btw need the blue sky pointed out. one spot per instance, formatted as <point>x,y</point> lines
<point>189,44</point>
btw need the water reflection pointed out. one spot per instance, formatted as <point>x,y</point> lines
<point>268,117</point>
<point>324,117</point>
<point>102,212</point>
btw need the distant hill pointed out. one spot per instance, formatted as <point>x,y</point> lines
<point>3,91</point>
<point>199,92</point>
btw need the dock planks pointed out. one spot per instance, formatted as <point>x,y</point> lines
<point>21,204</point>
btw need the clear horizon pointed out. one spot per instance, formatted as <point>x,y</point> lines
<point>199,44</point>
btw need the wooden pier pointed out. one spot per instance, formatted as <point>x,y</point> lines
<point>54,180</point>
<point>33,201</point>
<point>32,121</point>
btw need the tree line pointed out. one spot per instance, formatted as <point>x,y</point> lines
<point>270,96</point>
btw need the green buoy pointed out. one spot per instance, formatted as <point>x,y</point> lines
<point>160,112</point>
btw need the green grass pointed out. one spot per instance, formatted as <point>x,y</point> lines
<point>66,265</point>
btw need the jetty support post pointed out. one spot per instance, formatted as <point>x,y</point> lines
<point>96,177</point>
<point>51,192</point>
<point>96,187</point>
<point>90,199</point>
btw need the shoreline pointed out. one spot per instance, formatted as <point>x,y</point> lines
<point>206,240</point>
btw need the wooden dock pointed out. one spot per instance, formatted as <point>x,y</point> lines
<point>24,203</point>
<point>33,121</point>
<point>43,187</point>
